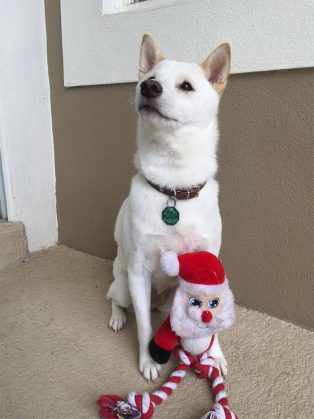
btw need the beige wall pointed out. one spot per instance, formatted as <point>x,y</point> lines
<point>265,176</point>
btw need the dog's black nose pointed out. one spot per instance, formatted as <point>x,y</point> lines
<point>151,88</point>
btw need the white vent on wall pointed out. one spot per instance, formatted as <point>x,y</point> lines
<point>111,7</point>
<point>117,6</point>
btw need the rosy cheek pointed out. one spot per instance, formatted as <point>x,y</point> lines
<point>194,312</point>
<point>217,309</point>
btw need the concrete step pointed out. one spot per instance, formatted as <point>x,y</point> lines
<point>13,244</point>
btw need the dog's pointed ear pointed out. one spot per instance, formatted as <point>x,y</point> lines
<point>217,67</point>
<point>150,55</point>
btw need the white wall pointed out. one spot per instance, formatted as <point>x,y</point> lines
<point>264,35</point>
<point>26,140</point>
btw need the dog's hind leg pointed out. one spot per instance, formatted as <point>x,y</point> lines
<point>119,293</point>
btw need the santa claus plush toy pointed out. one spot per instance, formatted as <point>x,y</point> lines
<point>203,306</point>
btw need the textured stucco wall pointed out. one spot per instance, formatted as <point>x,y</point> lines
<point>265,176</point>
<point>26,140</point>
<point>266,184</point>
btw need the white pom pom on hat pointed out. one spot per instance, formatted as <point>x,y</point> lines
<point>170,263</point>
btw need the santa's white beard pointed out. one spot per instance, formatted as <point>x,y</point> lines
<point>186,327</point>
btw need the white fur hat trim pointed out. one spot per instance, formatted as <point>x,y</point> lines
<point>169,263</point>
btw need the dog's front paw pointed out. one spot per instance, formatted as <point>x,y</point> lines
<point>118,318</point>
<point>149,368</point>
<point>223,365</point>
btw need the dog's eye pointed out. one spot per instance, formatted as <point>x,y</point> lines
<point>195,302</point>
<point>213,303</point>
<point>186,86</point>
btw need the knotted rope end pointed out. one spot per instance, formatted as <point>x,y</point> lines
<point>113,407</point>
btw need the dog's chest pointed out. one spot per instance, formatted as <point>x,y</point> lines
<point>198,222</point>
<point>191,230</point>
<point>187,236</point>
<point>189,233</point>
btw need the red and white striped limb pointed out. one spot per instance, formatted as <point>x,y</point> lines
<point>206,367</point>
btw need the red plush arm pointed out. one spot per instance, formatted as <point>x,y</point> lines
<point>165,337</point>
<point>162,344</point>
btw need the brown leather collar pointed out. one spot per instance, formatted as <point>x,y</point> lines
<point>179,194</point>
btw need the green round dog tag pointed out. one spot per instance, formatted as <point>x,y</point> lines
<point>170,216</point>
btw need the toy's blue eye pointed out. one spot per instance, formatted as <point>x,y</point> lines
<point>195,302</point>
<point>213,303</point>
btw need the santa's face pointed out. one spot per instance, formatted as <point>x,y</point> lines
<point>202,308</point>
<point>202,314</point>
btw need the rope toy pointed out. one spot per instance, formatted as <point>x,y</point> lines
<point>143,405</point>
<point>203,305</point>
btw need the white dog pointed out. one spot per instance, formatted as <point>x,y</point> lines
<point>177,105</point>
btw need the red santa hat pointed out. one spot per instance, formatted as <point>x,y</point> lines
<point>195,269</point>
